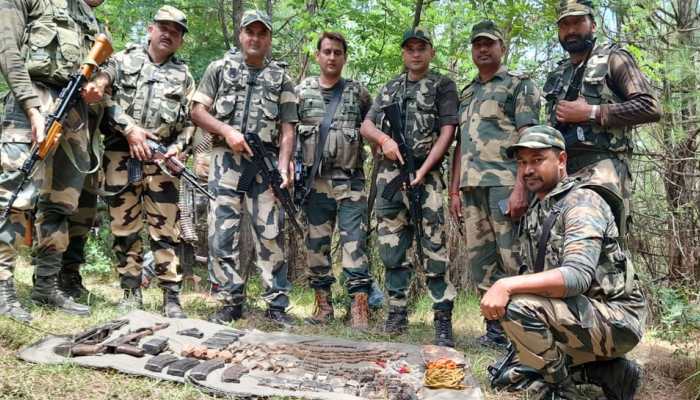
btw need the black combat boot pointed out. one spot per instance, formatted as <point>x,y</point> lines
<point>442,321</point>
<point>10,305</point>
<point>227,313</point>
<point>171,300</point>
<point>564,390</point>
<point>46,292</point>
<point>396,321</point>
<point>70,281</point>
<point>323,309</point>
<point>132,300</point>
<point>495,337</point>
<point>279,316</point>
<point>619,378</point>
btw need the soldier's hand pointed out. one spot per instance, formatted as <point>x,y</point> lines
<point>286,178</point>
<point>456,206</point>
<point>573,112</point>
<point>517,203</point>
<point>494,301</point>
<point>390,149</point>
<point>38,125</point>
<point>92,92</point>
<point>236,142</point>
<point>420,177</point>
<point>136,137</point>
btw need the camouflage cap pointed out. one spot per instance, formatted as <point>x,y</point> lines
<point>251,16</point>
<point>574,7</point>
<point>538,137</point>
<point>486,28</point>
<point>416,33</point>
<point>171,14</point>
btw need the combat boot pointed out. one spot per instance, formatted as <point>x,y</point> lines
<point>396,321</point>
<point>565,390</point>
<point>495,337</point>
<point>323,309</point>
<point>132,300</point>
<point>442,321</point>
<point>46,292</point>
<point>10,305</point>
<point>171,301</point>
<point>226,314</point>
<point>70,281</point>
<point>359,311</point>
<point>619,378</point>
<point>279,316</point>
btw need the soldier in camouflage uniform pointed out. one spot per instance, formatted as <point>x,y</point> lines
<point>238,84</point>
<point>493,108</point>
<point>43,42</point>
<point>337,191</point>
<point>151,93</point>
<point>429,104</point>
<point>580,309</point>
<point>613,98</point>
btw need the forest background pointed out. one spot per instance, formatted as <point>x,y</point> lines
<point>663,35</point>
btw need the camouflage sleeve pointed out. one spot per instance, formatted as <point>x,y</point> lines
<point>527,104</point>
<point>587,219</point>
<point>300,100</point>
<point>288,102</point>
<point>448,102</point>
<point>115,116</point>
<point>184,138</point>
<point>14,15</point>
<point>640,105</point>
<point>209,85</point>
<point>365,102</point>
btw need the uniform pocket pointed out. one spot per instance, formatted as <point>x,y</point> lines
<point>308,139</point>
<point>42,49</point>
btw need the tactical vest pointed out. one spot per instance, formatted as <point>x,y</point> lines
<point>56,43</point>
<point>263,112</point>
<point>614,276</point>
<point>420,112</point>
<point>343,147</point>
<point>596,91</point>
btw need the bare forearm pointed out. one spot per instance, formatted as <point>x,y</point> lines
<point>547,283</point>
<point>370,132</point>
<point>202,118</point>
<point>439,148</point>
<point>455,171</point>
<point>286,145</point>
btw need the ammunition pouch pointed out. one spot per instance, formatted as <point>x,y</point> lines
<point>134,169</point>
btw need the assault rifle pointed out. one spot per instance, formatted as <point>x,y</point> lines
<point>406,175</point>
<point>300,192</point>
<point>124,344</point>
<point>262,163</point>
<point>68,97</point>
<point>177,168</point>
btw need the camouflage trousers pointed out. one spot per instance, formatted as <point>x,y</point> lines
<point>551,335</point>
<point>153,199</point>
<point>224,233</point>
<point>490,235</point>
<point>79,225</point>
<point>396,236</point>
<point>343,200</point>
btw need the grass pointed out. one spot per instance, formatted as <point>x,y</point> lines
<point>20,380</point>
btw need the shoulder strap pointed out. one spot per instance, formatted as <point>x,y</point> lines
<point>544,238</point>
<point>323,130</point>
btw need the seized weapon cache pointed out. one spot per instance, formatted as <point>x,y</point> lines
<point>124,344</point>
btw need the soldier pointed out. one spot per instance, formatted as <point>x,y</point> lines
<point>493,108</point>
<point>331,110</point>
<point>150,95</point>
<point>43,43</point>
<point>429,105</point>
<point>245,85</point>
<point>613,97</point>
<point>580,310</point>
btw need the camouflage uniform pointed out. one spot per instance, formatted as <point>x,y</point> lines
<point>338,190</point>
<point>223,89</point>
<point>43,43</point>
<point>154,97</point>
<point>603,311</point>
<point>428,104</point>
<point>491,113</point>
<point>612,81</point>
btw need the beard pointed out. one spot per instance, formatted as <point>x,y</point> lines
<point>577,43</point>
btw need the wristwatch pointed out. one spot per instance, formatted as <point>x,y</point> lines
<point>594,112</point>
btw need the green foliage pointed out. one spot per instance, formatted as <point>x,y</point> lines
<point>679,312</point>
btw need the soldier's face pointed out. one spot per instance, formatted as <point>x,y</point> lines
<point>417,55</point>
<point>541,169</point>
<point>331,57</point>
<point>576,33</point>
<point>487,52</point>
<point>255,40</point>
<point>165,36</point>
